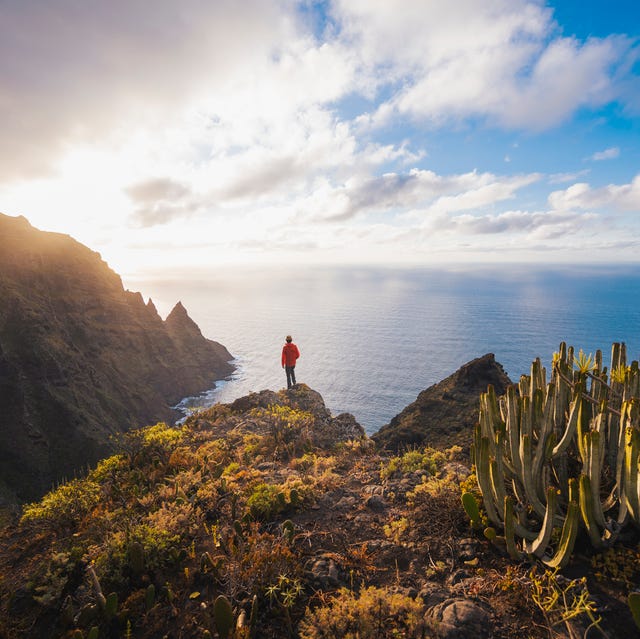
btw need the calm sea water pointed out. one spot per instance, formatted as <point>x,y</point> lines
<point>372,338</point>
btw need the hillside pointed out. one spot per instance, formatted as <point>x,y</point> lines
<point>82,359</point>
<point>301,524</point>
<point>445,413</point>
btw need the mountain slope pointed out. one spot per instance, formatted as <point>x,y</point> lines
<point>81,358</point>
<point>444,414</point>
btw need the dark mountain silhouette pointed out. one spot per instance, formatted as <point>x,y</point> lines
<point>82,359</point>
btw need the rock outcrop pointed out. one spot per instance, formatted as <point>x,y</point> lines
<point>444,414</point>
<point>326,430</point>
<point>82,359</point>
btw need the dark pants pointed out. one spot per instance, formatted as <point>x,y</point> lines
<point>291,375</point>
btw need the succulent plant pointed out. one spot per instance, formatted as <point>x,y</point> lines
<point>561,454</point>
<point>222,616</point>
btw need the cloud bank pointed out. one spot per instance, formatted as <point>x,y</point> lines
<point>243,122</point>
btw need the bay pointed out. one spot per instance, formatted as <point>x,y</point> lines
<point>372,338</point>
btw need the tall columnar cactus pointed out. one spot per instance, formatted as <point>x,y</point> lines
<point>560,453</point>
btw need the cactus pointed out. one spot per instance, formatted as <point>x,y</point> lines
<point>634,605</point>
<point>490,533</point>
<point>222,616</point>
<point>253,616</point>
<point>111,605</point>
<point>288,530</point>
<point>102,601</point>
<point>239,532</point>
<point>561,454</point>
<point>135,552</point>
<point>470,505</point>
<point>150,597</point>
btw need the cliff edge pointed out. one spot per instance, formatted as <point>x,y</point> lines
<point>444,414</point>
<point>82,359</point>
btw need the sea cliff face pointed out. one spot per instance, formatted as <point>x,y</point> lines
<point>82,359</point>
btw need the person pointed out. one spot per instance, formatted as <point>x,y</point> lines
<point>290,354</point>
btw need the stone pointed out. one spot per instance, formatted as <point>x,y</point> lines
<point>325,573</point>
<point>461,619</point>
<point>375,503</point>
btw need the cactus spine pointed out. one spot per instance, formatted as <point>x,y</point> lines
<point>561,454</point>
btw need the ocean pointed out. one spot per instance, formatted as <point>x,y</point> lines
<point>372,338</point>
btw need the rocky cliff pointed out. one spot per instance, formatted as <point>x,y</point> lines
<point>82,359</point>
<point>444,414</point>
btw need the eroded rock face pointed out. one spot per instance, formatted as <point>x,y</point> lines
<point>82,359</point>
<point>444,414</point>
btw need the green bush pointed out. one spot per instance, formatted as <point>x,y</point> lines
<point>266,501</point>
<point>65,506</point>
<point>428,459</point>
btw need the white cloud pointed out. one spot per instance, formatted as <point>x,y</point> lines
<point>616,197</point>
<point>538,225</point>
<point>560,178</point>
<point>608,154</point>
<point>93,70</point>
<point>236,123</point>
<point>499,60</point>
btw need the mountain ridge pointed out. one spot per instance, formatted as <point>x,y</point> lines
<point>82,359</point>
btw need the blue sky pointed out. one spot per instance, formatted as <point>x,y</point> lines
<point>201,134</point>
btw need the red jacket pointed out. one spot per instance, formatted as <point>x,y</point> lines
<point>290,354</point>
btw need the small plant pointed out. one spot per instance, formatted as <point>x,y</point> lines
<point>396,530</point>
<point>618,564</point>
<point>266,501</point>
<point>375,613</point>
<point>285,594</point>
<point>562,600</point>
<point>427,459</point>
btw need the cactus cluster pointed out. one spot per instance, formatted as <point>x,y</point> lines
<point>557,455</point>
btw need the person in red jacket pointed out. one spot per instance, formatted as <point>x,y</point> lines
<point>290,354</point>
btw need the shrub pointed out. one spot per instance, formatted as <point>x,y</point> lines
<point>428,459</point>
<point>436,508</point>
<point>266,501</point>
<point>289,429</point>
<point>65,506</point>
<point>376,614</point>
<point>161,549</point>
<point>108,469</point>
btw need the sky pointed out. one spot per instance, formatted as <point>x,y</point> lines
<point>174,137</point>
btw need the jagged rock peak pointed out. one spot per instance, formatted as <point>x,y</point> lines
<point>179,321</point>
